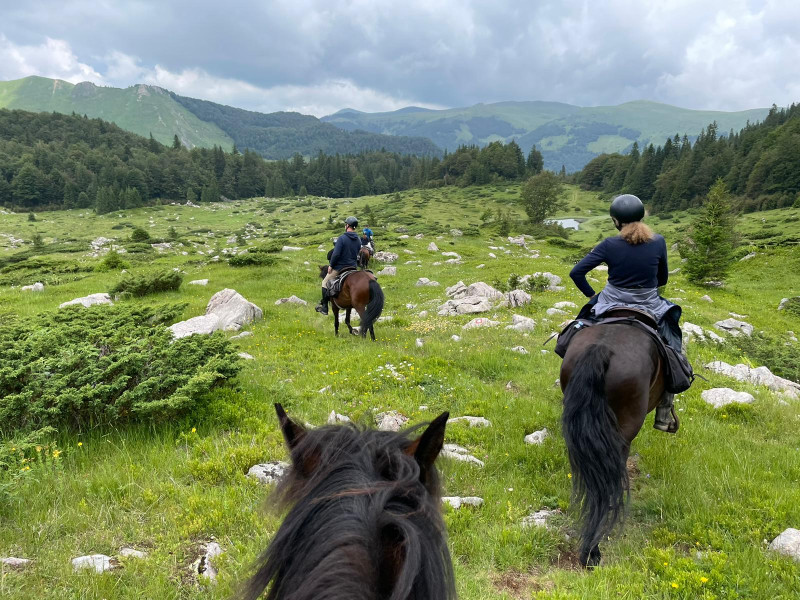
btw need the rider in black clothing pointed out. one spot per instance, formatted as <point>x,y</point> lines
<point>344,254</point>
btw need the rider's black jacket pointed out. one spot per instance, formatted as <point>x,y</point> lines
<point>345,253</point>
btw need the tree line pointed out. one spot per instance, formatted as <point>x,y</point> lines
<point>51,161</point>
<point>760,164</point>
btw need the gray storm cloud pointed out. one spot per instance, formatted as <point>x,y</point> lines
<point>320,56</point>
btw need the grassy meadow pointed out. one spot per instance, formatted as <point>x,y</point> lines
<point>704,502</point>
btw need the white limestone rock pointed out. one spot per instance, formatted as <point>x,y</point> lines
<point>233,310</point>
<point>719,397</point>
<point>387,270</point>
<point>335,417</point>
<point>246,356</point>
<point>734,327</point>
<point>516,298</point>
<point>36,287</point>
<point>199,282</point>
<point>456,232</point>
<point>787,543</point>
<point>517,241</point>
<point>386,257</point>
<point>12,562</point>
<point>291,249</point>
<point>432,247</point>
<point>480,322</point>
<point>202,325</point>
<point>292,300</point>
<point>239,336</point>
<point>460,453</point>
<point>520,350</point>
<point>457,501</point>
<point>555,280</point>
<point>87,301</point>
<point>204,565</point>
<point>553,312</point>
<point>565,304</point>
<point>99,563</point>
<point>455,338</point>
<point>390,421</point>
<point>268,473</point>
<point>757,376</point>
<point>465,306</point>
<point>419,342</point>
<point>132,553</point>
<point>706,298</point>
<point>539,518</point>
<point>537,437</point>
<point>424,281</point>
<point>471,421</point>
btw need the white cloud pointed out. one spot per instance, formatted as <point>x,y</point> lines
<point>53,58</point>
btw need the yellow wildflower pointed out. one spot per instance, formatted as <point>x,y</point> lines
<point>80,443</point>
<point>194,429</point>
<point>675,585</point>
<point>704,580</point>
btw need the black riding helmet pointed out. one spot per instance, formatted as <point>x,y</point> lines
<point>627,208</point>
<point>351,222</point>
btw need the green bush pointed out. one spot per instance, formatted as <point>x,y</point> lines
<point>139,235</point>
<point>792,306</point>
<point>539,283</point>
<point>82,367</point>
<point>260,255</point>
<point>142,284</point>
<point>138,247</point>
<point>112,262</point>
<point>562,243</point>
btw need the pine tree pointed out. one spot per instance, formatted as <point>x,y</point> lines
<point>535,162</point>
<point>176,143</point>
<point>708,248</point>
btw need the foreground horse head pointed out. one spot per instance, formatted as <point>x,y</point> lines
<point>611,377</point>
<point>364,521</point>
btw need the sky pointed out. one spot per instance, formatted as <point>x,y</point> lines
<point>320,56</point>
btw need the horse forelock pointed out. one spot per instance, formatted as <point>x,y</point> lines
<point>363,496</point>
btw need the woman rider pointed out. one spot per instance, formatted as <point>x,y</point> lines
<point>637,267</point>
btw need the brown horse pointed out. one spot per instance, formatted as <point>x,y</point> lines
<point>611,377</point>
<point>362,292</point>
<point>364,521</point>
<point>363,258</point>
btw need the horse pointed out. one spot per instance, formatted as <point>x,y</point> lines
<point>364,519</point>
<point>363,258</point>
<point>611,377</point>
<point>360,291</point>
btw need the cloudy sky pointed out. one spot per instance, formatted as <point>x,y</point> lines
<point>318,56</point>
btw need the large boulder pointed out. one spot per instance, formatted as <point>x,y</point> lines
<point>89,300</point>
<point>517,241</point>
<point>202,325</point>
<point>386,257</point>
<point>479,288</point>
<point>719,397</point>
<point>516,298</point>
<point>268,473</point>
<point>787,543</point>
<point>232,309</point>
<point>465,306</point>
<point>480,322</point>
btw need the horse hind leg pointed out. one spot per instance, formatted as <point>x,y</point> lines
<point>335,319</point>
<point>347,320</point>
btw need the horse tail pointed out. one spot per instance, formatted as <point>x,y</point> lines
<point>597,451</point>
<point>374,307</point>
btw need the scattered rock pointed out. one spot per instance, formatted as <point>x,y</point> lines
<point>199,282</point>
<point>292,249</point>
<point>457,502</point>
<point>480,266</point>
<point>539,518</point>
<point>734,327</point>
<point>455,338</point>
<point>453,254</point>
<point>419,236</point>
<point>387,270</point>
<point>719,397</point>
<point>675,271</point>
<point>292,300</point>
<point>706,298</point>
<point>202,325</point>
<point>520,350</point>
<point>556,312</point>
<point>460,453</point>
<point>787,543</point>
<point>471,421</point>
<point>15,563</point>
<point>601,268</point>
<point>517,241</point>
<point>537,437</point>
<point>407,251</point>
<point>480,322</point>
<point>565,304</point>
<point>419,341</point>
<point>477,289</point>
<point>203,565</point>
<point>520,323</point>
<point>465,306</point>
<point>456,232</point>
<point>100,563</point>
<point>390,421</point>
<point>89,300</point>
<point>422,314</point>
<point>492,255</point>
<point>132,553</point>
<point>335,417</point>
<point>748,256</point>
<point>36,287</point>
<point>757,376</point>
<point>161,246</point>
<point>424,281</point>
<point>268,473</point>
<point>716,284</point>
<point>783,303</point>
<point>404,237</point>
<point>432,247</point>
<point>386,257</point>
<point>517,298</point>
<point>246,356</point>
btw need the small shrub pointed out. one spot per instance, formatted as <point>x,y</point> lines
<point>172,233</point>
<point>792,306</point>
<point>83,367</point>
<point>139,235</point>
<point>112,262</point>
<point>138,247</point>
<point>142,284</point>
<point>38,241</point>
<point>539,283</point>
<point>562,243</point>
<point>781,358</point>
<point>513,281</point>
<point>260,255</point>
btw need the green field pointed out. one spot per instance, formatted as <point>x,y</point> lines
<point>703,501</point>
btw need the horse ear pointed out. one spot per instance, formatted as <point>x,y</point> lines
<point>292,432</point>
<point>426,447</point>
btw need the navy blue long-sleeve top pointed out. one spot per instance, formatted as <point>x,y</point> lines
<point>629,266</point>
<point>345,252</point>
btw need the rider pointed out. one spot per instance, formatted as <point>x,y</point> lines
<point>345,254</point>
<point>637,267</point>
<point>366,240</point>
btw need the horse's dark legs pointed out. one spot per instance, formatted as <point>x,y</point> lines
<point>592,559</point>
<point>335,318</point>
<point>372,332</point>
<point>347,320</point>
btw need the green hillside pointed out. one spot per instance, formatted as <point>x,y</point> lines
<point>142,109</point>
<point>566,134</point>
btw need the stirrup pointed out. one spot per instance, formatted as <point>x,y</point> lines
<point>667,420</point>
<point>322,308</point>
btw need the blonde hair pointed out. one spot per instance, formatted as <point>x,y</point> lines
<point>636,233</point>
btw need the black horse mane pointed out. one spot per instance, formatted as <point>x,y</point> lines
<point>362,522</point>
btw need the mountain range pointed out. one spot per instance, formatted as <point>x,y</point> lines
<point>565,134</point>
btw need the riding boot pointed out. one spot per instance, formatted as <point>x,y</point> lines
<point>666,419</point>
<point>322,307</point>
